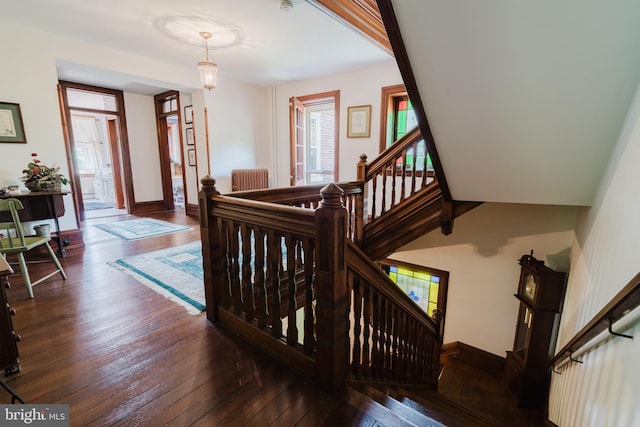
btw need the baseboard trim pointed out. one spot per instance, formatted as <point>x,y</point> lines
<point>192,210</point>
<point>143,208</point>
<point>474,356</point>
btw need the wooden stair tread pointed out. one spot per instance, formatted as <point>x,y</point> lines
<point>439,407</point>
<point>406,412</point>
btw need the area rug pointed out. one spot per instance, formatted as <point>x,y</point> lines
<point>140,228</point>
<point>175,272</point>
<point>95,205</point>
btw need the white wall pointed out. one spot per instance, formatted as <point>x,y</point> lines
<point>143,147</point>
<point>481,256</point>
<point>603,391</point>
<point>357,87</point>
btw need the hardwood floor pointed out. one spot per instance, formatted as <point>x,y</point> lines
<point>121,354</point>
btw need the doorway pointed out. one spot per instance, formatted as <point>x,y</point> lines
<point>314,125</point>
<point>96,135</point>
<point>171,149</point>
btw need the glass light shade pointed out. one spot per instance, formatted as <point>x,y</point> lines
<point>208,74</point>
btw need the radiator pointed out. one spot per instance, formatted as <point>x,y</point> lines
<point>249,179</point>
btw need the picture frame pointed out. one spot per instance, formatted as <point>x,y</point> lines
<point>188,114</point>
<point>11,125</point>
<point>191,154</point>
<point>359,121</point>
<point>190,138</point>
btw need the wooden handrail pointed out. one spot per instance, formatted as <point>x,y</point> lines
<point>623,303</point>
<point>394,151</point>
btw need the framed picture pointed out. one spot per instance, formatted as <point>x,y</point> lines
<point>188,114</point>
<point>359,121</point>
<point>190,140</point>
<point>11,127</point>
<point>192,157</point>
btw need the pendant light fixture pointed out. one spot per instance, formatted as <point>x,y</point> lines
<point>208,69</point>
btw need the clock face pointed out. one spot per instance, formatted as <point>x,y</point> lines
<point>530,286</point>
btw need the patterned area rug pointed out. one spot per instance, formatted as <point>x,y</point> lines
<point>140,228</point>
<point>175,272</point>
<point>93,205</point>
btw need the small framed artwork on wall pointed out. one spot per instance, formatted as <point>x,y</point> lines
<point>11,127</point>
<point>359,121</point>
<point>192,157</point>
<point>190,140</point>
<point>188,114</point>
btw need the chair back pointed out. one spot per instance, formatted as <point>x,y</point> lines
<point>13,230</point>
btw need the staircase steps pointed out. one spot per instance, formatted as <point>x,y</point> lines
<point>442,408</point>
<point>384,409</point>
<point>414,407</point>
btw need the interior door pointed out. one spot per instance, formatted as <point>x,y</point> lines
<point>296,123</point>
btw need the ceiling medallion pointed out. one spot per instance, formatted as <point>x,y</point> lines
<point>187,29</point>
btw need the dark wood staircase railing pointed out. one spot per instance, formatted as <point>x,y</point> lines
<point>283,278</point>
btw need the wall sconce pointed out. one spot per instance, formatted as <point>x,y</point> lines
<point>208,69</point>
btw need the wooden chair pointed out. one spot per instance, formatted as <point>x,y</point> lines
<point>13,241</point>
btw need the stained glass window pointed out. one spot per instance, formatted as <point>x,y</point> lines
<point>421,286</point>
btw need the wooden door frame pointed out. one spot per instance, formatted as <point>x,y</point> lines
<point>163,147</point>
<point>309,100</point>
<point>76,188</point>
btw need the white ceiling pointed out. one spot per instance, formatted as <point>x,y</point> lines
<point>276,46</point>
<point>526,99</point>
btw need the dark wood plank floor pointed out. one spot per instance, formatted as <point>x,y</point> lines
<point>121,354</point>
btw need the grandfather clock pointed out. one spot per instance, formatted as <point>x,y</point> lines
<point>541,294</point>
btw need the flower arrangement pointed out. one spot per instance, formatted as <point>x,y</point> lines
<point>38,176</point>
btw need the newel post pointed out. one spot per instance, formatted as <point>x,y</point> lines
<point>361,200</point>
<point>332,298</point>
<point>211,248</point>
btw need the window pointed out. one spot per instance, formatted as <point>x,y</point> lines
<point>397,118</point>
<point>426,286</point>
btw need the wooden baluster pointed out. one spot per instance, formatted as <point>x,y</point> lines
<point>375,317</point>
<point>413,167</point>
<point>234,252</point>
<point>383,204</point>
<point>388,340</point>
<point>374,195</point>
<point>274,254</point>
<point>247,274</point>
<point>366,333</point>
<point>309,316</point>
<point>226,262</point>
<point>357,327</point>
<point>382,336</point>
<point>404,175</point>
<point>292,327</point>
<point>396,356</point>
<point>393,184</point>
<point>260,285</point>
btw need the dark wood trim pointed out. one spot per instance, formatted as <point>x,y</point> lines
<point>473,356</point>
<point>192,210</point>
<point>123,135</point>
<point>144,208</point>
<point>386,94</point>
<point>163,144</point>
<point>361,16</point>
<point>316,99</point>
<point>402,59</point>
